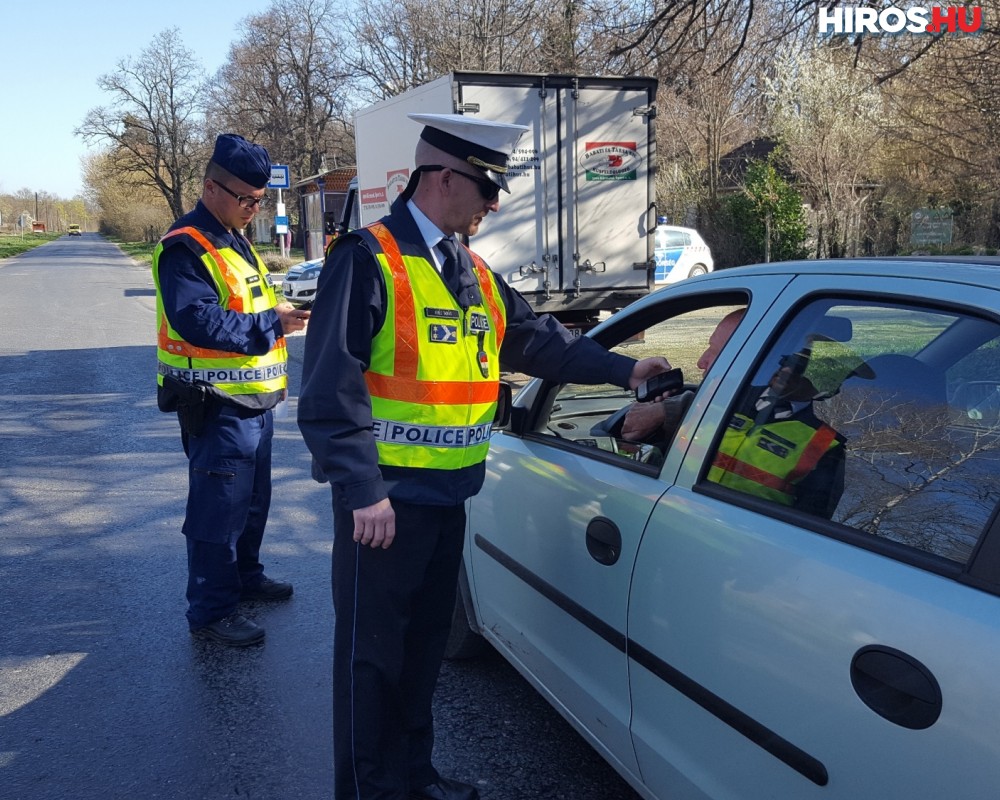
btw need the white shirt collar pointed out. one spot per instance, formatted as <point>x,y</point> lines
<point>431,233</point>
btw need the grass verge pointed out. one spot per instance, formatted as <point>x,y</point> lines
<point>14,244</point>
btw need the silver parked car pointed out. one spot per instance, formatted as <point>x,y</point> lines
<point>788,589</point>
<point>300,282</point>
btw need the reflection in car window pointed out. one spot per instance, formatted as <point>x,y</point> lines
<point>592,416</point>
<point>885,418</point>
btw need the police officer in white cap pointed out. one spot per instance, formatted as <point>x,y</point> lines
<point>400,381</point>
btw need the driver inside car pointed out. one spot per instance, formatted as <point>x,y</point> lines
<point>657,421</point>
<point>774,447</point>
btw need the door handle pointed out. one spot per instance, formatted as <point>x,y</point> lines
<point>896,686</point>
<point>604,541</point>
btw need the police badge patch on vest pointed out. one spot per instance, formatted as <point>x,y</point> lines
<point>439,332</point>
<point>443,334</point>
<point>479,323</point>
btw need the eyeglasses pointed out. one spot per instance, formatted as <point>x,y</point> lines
<point>247,202</point>
<point>488,190</point>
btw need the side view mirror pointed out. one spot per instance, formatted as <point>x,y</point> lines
<point>505,399</point>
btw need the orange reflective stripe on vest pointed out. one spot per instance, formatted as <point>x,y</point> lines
<point>233,303</point>
<point>813,452</point>
<point>232,281</point>
<point>489,298</point>
<point>403,384</point>
<point>406,318</point>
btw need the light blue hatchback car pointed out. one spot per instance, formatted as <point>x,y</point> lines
<point>790,589</point>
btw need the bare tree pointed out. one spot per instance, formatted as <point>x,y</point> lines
<point>666,34</point>
<point>285,85</point>
<point>831,118</point>
<point>399,45</point>
<point>153,124</point>
<point>129,210</point>
<point>393,44</point>
<point>946,142</point>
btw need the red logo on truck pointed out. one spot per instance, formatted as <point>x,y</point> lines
<point>610,161</point>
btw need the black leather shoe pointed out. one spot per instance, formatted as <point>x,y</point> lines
<point>267,589</point>
<point>445,789</point>
<point>234,630</point>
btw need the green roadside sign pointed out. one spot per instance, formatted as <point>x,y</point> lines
<point>931,226</point>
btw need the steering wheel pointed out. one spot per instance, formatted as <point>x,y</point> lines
<point>611,426</point>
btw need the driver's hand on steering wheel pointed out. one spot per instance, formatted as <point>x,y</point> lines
<point>659,420</point>
<point>643,420</point>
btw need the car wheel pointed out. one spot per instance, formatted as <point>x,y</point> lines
<point>463,642</point>
<point>697,269</point>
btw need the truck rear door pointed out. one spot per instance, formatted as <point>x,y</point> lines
<point>576,230</point>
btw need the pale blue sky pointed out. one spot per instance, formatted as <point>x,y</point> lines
<point>51,55</point>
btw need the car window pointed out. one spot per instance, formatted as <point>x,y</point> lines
<point>592,417</point>
<point>677,239</point>
<point>883,418</point>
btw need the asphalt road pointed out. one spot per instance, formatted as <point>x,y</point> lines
<point>103,694</point>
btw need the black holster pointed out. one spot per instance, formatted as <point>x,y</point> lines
<point>189,400</point>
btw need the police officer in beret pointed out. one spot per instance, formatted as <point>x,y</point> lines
<point>222,368</point>
<point>400,382</point>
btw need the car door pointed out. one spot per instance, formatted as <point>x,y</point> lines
<point>554,532</point>
<point>778,654</point>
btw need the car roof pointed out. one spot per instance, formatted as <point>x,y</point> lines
<point>975,270</point>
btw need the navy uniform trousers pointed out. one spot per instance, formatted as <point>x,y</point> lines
<point>229,495</point>
<point>393,616</point>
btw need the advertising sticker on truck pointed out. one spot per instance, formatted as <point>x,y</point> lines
<point>610,161</point>
<point>395,182</point>
<point>373,203</point>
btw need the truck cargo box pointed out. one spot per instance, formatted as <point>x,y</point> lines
<point>575,234</point>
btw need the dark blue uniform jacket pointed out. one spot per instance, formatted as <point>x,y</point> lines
<point>334,406</point>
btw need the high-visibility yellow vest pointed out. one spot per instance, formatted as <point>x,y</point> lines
<point>241,288</point>
<point>769,460</point>
<point>435,368</point>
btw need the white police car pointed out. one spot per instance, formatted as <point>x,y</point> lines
<point>709,625</point>
<point>679,253</point>
<point>299,283</point>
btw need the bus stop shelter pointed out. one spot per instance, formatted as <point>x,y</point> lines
<point>322,198</point>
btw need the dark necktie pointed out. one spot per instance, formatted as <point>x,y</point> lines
<point>450,267</point>
<point>772,409</point>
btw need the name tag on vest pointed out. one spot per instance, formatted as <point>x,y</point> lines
<point>441,313</point>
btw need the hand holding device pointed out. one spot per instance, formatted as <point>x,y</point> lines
<point>661,383</point>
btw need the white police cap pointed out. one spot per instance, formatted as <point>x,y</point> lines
<point>483,143</point>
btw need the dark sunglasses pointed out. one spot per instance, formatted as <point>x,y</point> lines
<point>488,190</point>
<point>245,201</point>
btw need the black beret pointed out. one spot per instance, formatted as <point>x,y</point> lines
<point>245,160</point>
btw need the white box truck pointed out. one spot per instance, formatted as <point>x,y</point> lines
<point>575,236</point>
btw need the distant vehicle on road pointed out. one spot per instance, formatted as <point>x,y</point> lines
<point>74,230</point>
